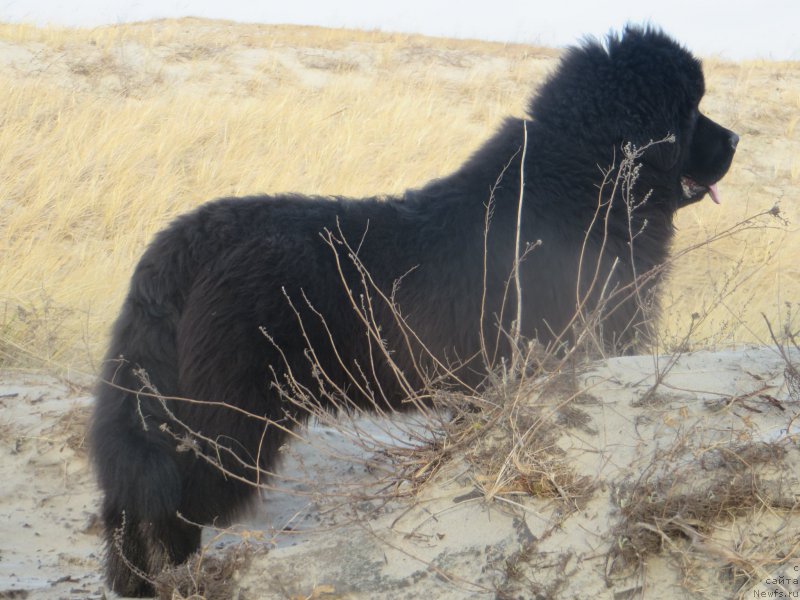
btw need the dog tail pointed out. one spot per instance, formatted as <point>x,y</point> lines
<point>139,469</point>
<point>132,436</point>
<point>135,458</point>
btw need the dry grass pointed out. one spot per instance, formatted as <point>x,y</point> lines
<point>206,577</point>
<point>109,133</point>
<point>669,502</point>
<point>105,139</point>
<point>680,507</point>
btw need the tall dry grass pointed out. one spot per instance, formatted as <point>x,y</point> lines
<point>109,133</point>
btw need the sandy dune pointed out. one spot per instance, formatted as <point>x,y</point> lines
<point>718,420</point>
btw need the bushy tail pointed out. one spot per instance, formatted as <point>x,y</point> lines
<point>136,461</point>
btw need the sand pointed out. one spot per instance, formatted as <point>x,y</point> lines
<point>317,535</point>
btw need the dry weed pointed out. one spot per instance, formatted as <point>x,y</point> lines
<point>676,502</point>
<point>207,577</point>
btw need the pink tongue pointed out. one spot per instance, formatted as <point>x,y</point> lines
<point>714,192</point>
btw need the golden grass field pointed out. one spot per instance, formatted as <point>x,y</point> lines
<point>109,133</point>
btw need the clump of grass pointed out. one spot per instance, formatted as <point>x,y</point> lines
<point>207,576</point>
<point>31,332</point>
<point>675,500</point>
<point>510,437</point>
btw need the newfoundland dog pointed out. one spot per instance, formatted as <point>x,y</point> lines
<point>372,299</point>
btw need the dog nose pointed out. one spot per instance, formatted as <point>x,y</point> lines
<point>734,140</point>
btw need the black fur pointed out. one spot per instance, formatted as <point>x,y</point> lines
<point>209,281</point>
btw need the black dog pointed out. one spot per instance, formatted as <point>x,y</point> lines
<point>231,298</point>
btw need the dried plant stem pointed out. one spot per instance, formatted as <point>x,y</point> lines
<point>516,327</point>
